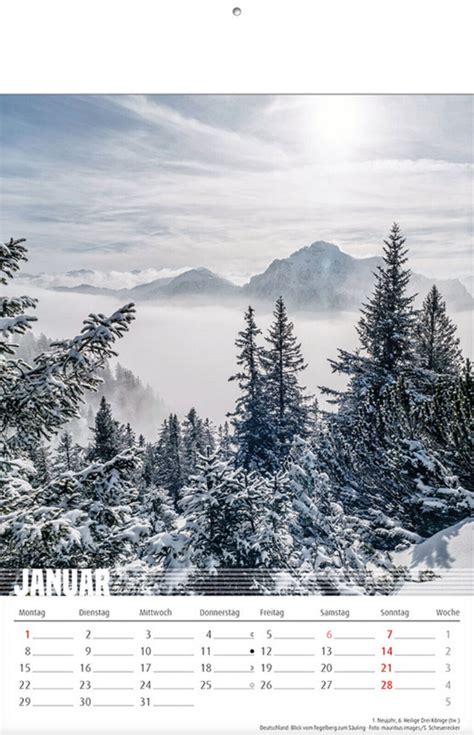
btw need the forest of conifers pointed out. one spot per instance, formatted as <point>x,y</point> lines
<point>281,485</point>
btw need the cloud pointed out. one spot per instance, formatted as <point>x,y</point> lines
<point>99,279</point>
<point>120,184</point>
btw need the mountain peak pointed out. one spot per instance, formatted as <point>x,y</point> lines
<point>319,249</point>
<point>321,246</point>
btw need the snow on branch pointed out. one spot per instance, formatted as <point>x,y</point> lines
<point>11,254</point>
<point>40,399</point>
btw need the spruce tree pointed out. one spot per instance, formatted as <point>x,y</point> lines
<point>40,455</point>
<point>273,542</point>
<point>332,552</point>
<point>68,456</point>
<point>449,422</point>
<point>209,436</point>
<point>225,443</point>
<point>86,518</point>
<point>47,525</point>
<point>108,439</point>
<point>193,442</point>
<point>129,438</point>
<point>437,346</point>
<point>218,511</point>
<point>286,402</point>
<point>386,330</point>
<point>250,418</point>
<point>157,507</point>
<point>386,326</point>
<point>169,458</point>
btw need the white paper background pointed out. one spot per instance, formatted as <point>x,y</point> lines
<point>199,46</point>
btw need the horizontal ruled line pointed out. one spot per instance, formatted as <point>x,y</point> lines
<point>291,671</point>
<point>173,672</point>
<point>353,671</point>
<point>48,671</point>
<point>173,705</point>
<point>174,655</point>
<point>399,671</point>
<point>53,705</point>
<point>247,671</point>
<point>113,705</point>
<point>111,671</point>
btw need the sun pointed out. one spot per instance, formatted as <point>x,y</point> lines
<point>337,126</point>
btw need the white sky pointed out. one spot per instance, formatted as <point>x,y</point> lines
<point>230,183</point>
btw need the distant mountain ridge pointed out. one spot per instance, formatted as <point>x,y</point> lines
<point>318,277</point>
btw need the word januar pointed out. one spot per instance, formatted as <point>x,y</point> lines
<point>68,582</point>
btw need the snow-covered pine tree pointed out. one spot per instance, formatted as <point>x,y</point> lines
<point>169,459</point>
<point>128,436</point>
<point>193,442</point>
<point>85,518</point>
<point>437,346</point>
<point>218,508</point>
<point>108,439</point>
<point>40,455</point>
<point>224,443</point>
<point>449,422</point>
<point>386,326</point>
<point>13,320</point>
<point>332,554</point>
<point>149,464</point>
<point>438,500</point>
<point>272,541</point>
<point>386,331</point>
<point>286,402</point>
<point>68,455</point>
<point>412,481</point>
<point>250,419</point>
<point>156,505</point>
<point>35,402</point>
<point>209,436</point>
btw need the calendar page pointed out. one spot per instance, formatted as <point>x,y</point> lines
<point>240,665</point>
<point>236,385</point>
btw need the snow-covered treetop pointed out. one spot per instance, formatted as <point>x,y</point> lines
<point>36,401</point>
<point>11,254</point>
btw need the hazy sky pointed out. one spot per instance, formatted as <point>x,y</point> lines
<point>231,182</point>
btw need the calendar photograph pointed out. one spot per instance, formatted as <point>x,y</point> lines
<point>235,345</point>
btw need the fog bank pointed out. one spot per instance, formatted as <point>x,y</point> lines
<point>188,354</point>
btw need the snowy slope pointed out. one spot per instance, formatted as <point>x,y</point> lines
<point>323,277</point>
<point>449,554</point>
